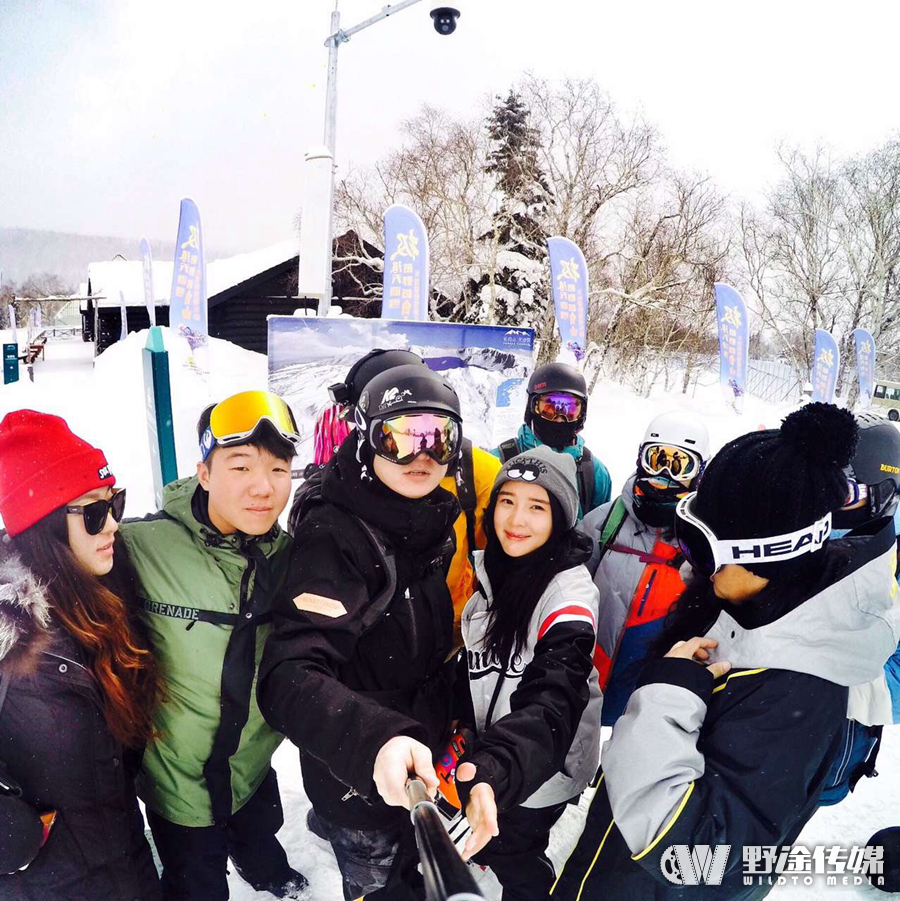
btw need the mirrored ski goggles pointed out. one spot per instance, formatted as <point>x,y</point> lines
<point>708,554</point>
<point>681,464</point>
<point>554,407</point>
<point>856,493</point>
<point>235,419</point>
<point>401,439</point>
<point>96,512</point>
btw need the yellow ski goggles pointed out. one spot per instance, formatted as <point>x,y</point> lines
<point>236,419</point>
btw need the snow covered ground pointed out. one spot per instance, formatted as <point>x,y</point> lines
<point>103,401</point>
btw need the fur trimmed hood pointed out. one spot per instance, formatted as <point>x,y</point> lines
<point>25,624</point>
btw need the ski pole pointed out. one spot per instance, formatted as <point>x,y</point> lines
<point>447,878</point>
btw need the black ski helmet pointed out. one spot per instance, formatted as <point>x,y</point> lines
<point>412,388</point>
<point>553,378</point>
<point>876,464</point>
<point>365,369</point>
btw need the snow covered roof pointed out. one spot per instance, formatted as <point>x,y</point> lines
<point>108,278</point>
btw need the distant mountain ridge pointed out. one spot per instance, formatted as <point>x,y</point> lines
<point>30,251</point>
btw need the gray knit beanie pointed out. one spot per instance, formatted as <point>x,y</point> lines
<point>552,471</point>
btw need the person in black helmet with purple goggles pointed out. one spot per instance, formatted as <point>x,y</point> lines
<point>555,414</point>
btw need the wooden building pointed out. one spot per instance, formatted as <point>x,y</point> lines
<point>242,292</point>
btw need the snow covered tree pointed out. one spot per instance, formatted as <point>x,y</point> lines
<point>511,284</point>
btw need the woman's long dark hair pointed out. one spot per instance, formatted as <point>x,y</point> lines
<point>517,583</point>
<point>97,613</point>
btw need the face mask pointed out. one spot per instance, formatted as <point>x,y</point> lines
<point>554,434</point>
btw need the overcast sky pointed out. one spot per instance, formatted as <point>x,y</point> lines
<point>112,110</point>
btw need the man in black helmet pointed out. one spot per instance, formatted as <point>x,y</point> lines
<point>470,477</point>
<point>555,415</point>
<point>356,671</point>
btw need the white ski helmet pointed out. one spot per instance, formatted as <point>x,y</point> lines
<point>680,429</point>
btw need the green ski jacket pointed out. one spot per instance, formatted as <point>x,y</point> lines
<point>207,602</point>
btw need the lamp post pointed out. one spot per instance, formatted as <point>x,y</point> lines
<point>316,229</point>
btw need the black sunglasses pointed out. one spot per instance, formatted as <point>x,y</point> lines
<point>95,514</point>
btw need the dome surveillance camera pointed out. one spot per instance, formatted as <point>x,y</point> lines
<point>445,19</point>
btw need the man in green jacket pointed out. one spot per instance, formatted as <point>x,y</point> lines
<point>208,567</point>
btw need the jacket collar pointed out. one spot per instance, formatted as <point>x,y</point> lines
<point>842,632</point>
<point>25,623</point>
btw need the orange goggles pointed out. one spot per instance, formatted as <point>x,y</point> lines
<point>237,418</point>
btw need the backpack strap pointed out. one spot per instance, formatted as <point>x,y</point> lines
<point>586,480</point>
<point>611,525</point>
<point>379,604</point>
<point>465,490</point>
<point>508,449</point>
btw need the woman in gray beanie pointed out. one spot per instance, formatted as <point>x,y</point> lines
<point>529,632</point>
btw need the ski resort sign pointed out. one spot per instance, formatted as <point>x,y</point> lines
<point>406,265</point>
<point>486,365</point>
<point>569,274</point>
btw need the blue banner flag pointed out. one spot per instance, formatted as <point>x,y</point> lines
<point>865,364</point>
<point>147,263</point>
<point>733,326</point>
<point>406,265</point>
<point>187,300</point>
<point>123,334</point>
<point>826,363</point>
<point>569,278</point>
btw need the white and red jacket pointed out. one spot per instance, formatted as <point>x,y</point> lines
<point>538,724</point>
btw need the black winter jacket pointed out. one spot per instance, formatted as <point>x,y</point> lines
<point>55,743</point>
<point>340,692</point>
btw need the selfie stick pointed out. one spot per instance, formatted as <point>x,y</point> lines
<point>447,878</point>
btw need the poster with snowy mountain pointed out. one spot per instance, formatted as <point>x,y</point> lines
<point>487,366</point>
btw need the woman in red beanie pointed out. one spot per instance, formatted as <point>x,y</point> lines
<point>78,682</point>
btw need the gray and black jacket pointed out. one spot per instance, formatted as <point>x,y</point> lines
<point>537,720</point>
<point>740,762</point>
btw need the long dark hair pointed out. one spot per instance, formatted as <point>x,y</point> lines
<point>97,613</point>
<point>517,583</point>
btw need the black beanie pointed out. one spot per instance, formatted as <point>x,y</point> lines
<point>777,481</point>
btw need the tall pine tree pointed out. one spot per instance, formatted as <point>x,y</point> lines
<point>513,286</point>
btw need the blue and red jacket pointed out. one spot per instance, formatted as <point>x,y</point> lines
<point>637,574</point>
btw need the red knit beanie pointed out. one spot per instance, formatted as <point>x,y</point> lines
<point>43,466</point>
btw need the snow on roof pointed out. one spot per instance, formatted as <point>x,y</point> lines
<point>108,278</point>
